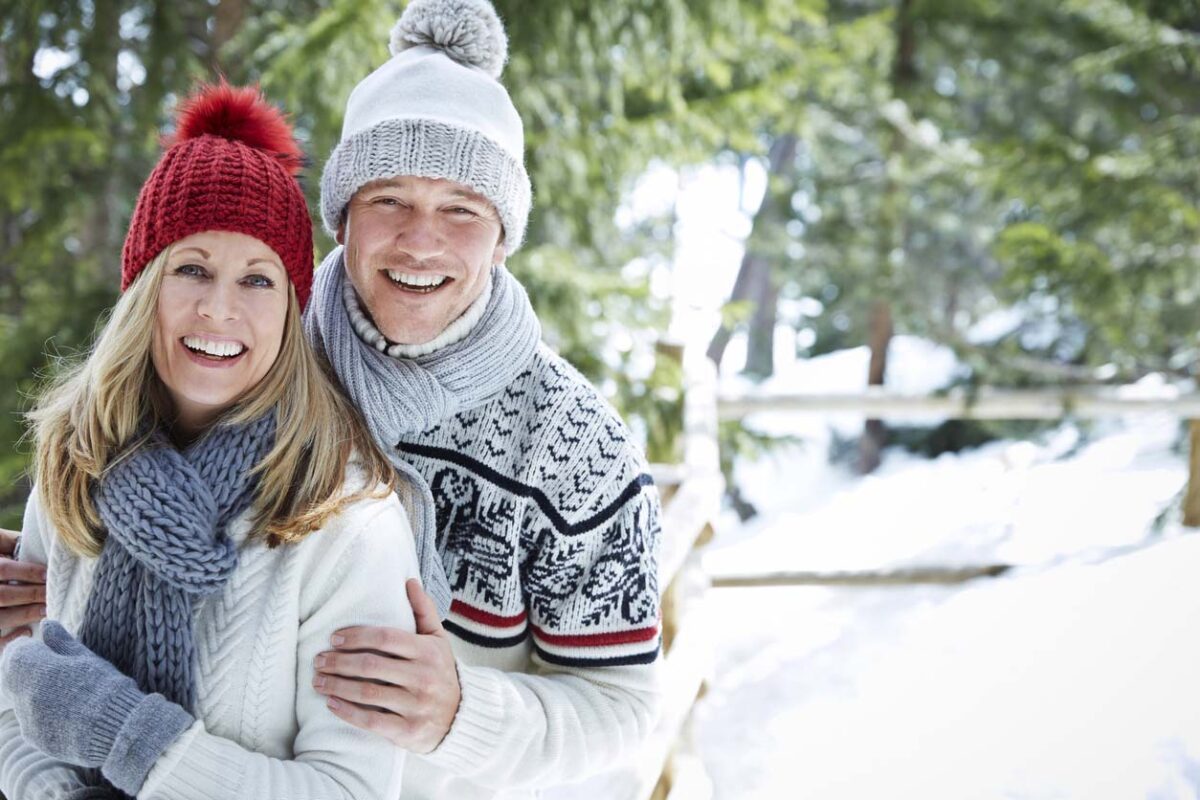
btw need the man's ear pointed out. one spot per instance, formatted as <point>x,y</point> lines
<point>339,236</point>
<point>500,252</point>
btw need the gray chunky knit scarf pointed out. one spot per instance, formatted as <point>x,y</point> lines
<point>404,396</point>
<point>166,512</point>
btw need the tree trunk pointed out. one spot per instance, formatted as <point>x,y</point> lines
<point>226,20</point>
<point>755,281</point>
<point>874,438</point>
<point>880,326</point>
<point>760,355</point>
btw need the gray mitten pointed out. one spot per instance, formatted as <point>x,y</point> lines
<point>76,707</point>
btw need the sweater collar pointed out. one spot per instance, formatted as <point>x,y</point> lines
<point>454,333</point>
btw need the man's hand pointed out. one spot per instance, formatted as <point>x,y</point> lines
<point>401,685</point>
<point>20,603</point>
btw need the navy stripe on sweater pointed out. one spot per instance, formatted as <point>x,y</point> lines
<point>648,657</point>
<point>532,492</point>
<point>499,642</point>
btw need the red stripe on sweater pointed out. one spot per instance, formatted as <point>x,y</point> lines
<point>597,639</point>
<point>485,617</point>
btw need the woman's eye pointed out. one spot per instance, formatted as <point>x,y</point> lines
<point>190,270</point>
<point>259,281</point>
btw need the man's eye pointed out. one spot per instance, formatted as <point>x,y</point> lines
<point>386,201</point>
<point>462,211</point>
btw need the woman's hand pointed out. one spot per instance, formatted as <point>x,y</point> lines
<point>23,602</point>
<point>76,707</point>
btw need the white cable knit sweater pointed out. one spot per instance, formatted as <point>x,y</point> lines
<point>262,732</point>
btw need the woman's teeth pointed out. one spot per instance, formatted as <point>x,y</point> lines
<point>212,348</point>
<point>419,283</point>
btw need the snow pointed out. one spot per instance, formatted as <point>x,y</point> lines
<point>1070,677</point>
<point>1074,682</point>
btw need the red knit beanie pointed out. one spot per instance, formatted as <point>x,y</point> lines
<point>231,166</point>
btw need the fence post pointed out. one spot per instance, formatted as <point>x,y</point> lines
<point>1191,501</point>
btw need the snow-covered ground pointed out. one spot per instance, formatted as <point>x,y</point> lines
<point>1071,677</point>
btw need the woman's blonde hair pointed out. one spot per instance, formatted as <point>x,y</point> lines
<point>93,413</point>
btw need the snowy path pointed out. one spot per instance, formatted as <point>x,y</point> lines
<point>1073,682</point>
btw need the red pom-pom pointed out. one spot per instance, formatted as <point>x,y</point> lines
<point>241,115</point>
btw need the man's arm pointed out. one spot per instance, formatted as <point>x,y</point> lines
<point>581,711</point>
<point>500,728</point>
<point>22,591</point>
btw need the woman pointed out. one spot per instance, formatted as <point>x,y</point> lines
<point>208,506</point>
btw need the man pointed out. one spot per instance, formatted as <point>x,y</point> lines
<point>536,521</point>
<point>540,522</point>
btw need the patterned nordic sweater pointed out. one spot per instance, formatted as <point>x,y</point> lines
<point>548,526</point>
<point>262,731</point>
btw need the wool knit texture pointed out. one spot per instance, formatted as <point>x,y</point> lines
<point>261,730</point>
<point>547,528</point>
<point>220,182</point>
<point>165,513</point>
<point>402,396</point>
<point>436,109</point>
<point>76,706</point>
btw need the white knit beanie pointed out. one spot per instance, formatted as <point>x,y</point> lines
<point>436,109</point>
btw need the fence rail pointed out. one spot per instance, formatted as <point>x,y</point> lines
<point>1093,401</point>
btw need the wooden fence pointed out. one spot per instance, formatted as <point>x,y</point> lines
<point>692,491</point>
<point>669,769</point>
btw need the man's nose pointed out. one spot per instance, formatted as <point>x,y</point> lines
<point>420,237</point>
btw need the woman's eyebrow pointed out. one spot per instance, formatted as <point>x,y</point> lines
<point>199,250</point>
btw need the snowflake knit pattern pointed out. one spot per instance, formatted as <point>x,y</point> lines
<point>548,522</point>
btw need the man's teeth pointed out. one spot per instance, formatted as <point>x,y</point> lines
<point>212,348</point>
<point>416,281</point>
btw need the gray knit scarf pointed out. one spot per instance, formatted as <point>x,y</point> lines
<point>166,512</point>
<point>403,396</point>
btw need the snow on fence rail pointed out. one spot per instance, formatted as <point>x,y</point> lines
<point>984,404</point>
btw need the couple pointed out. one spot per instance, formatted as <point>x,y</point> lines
<point>356,534</point>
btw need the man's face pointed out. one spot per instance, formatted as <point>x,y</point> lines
<point>419,252</point>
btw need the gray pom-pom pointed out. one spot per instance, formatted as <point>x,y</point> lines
<point>469,31</point>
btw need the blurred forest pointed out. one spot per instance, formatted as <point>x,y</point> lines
<point>930,163</point>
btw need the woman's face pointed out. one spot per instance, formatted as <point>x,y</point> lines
<point>219,323</point>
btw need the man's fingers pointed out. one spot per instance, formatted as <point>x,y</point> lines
<point>424,609</point>
<point>390,641</point>
<point>21,594</point>
<point>364,666</point>
<point>23,571</point>
<point>8,541</point>
<point>366,693</point>
<point>388,725</point>
<point>12,636</point>
<point>21,615</point>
